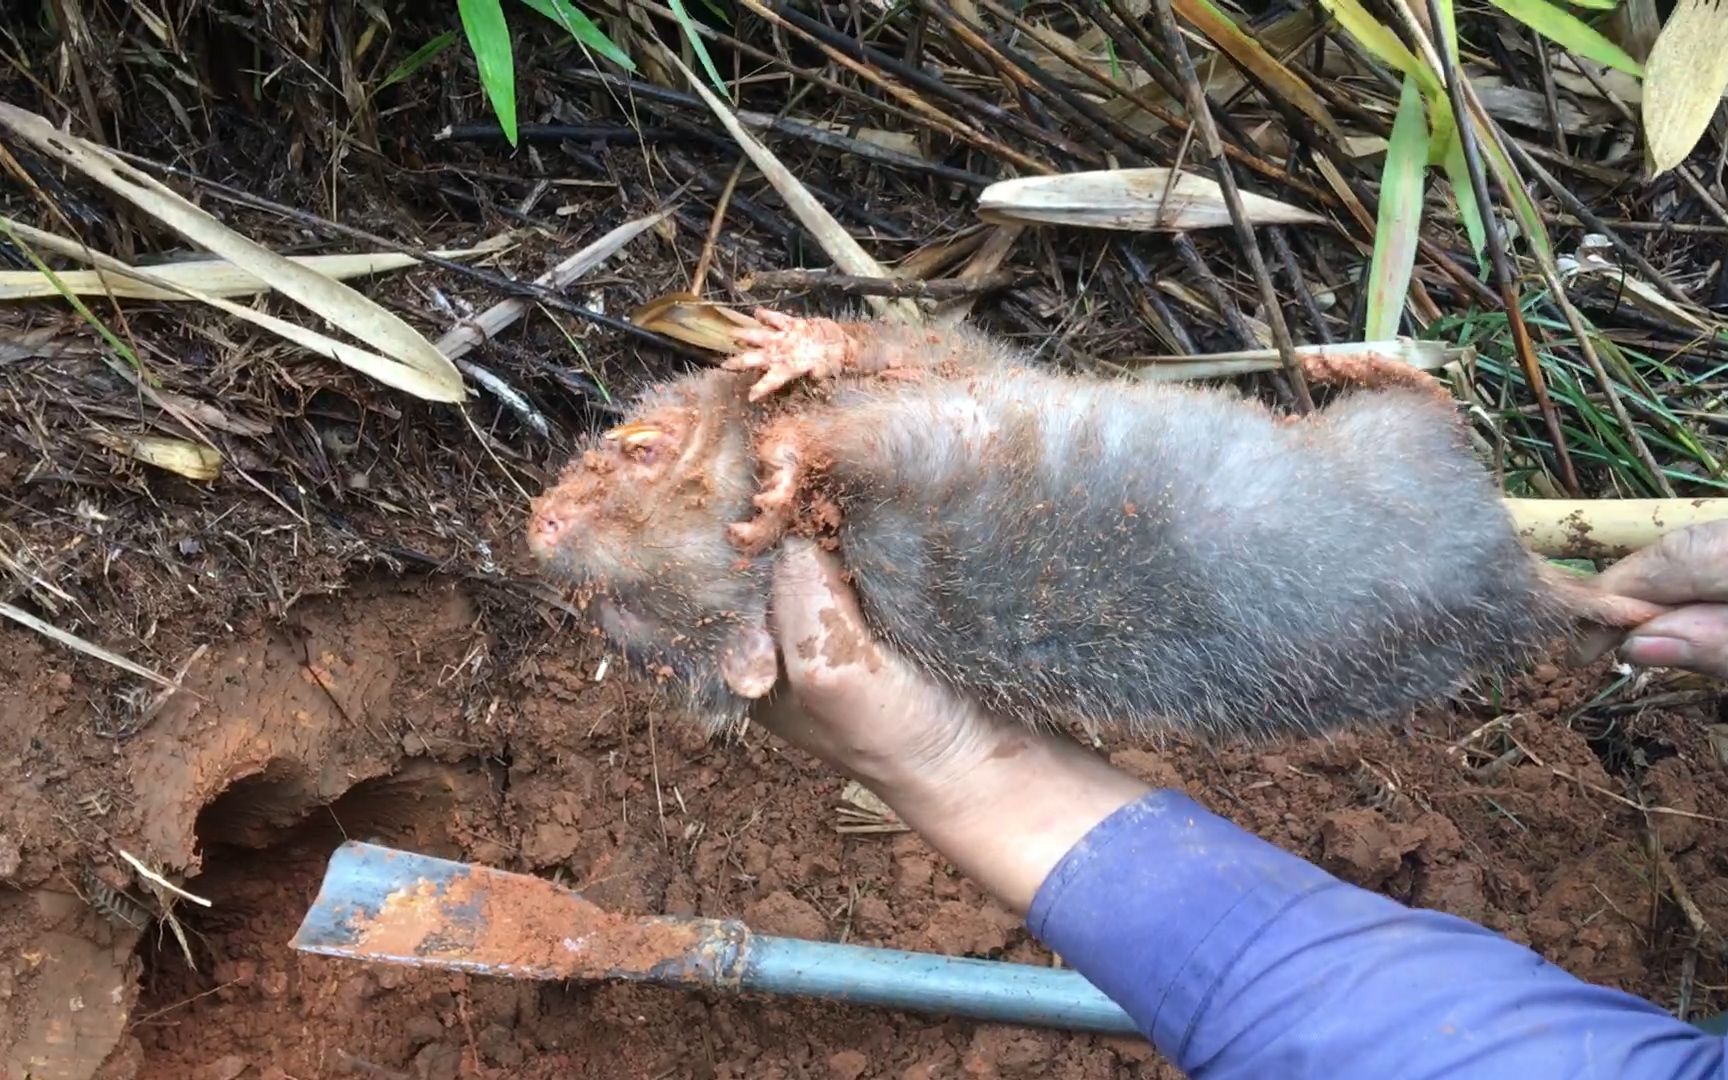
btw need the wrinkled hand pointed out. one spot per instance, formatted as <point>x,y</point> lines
<point>1686,570</point>
<point>1004,804</point>
<point>846,700</point>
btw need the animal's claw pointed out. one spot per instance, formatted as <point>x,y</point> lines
<point>786,348</point>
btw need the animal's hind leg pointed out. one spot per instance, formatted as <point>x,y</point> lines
<point>786,348</point>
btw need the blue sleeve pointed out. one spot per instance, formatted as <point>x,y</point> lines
<point>1238,959</point>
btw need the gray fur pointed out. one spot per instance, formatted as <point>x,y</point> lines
<point>1270,578</point>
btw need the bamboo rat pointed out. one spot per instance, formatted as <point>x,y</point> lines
<point>1135,556</point>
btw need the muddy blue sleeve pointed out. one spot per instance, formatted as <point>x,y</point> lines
<point>1238,960</point>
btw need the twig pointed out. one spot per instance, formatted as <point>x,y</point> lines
<point>1595,224</point>
<point>973,105</point>
<point>1676,887</point>
<point>466,335</point>
<point>1298,282</point>
<point>1133,147</point>
<point>934,289</point>
<point>716,221</point>
<point>1550,101</point>
<point>1214,290</point>
<point>825,39</point>
<point>1503,276</point>
<point>1201,110</point>
<point>1153,108</point>
<point>936,121</point>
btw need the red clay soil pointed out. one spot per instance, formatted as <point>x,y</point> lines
<point>391,714</point>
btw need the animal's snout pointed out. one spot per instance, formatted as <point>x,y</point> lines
<point>545,529</point>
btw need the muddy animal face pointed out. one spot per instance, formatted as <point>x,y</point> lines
<point>638,522</point>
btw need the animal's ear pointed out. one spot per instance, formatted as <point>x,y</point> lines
<point>749,662</point>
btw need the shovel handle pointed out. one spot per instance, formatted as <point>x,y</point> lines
<point>988,990</point>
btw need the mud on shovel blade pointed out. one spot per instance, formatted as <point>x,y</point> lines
<point>384,905</point>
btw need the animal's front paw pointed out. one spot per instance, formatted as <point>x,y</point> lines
<point>773,516</point>
<point>786,348</point>
<point>757,535</point>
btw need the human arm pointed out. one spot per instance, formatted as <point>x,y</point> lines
<point>1235,958</point>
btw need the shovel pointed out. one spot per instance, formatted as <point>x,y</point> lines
<point>396,907</point>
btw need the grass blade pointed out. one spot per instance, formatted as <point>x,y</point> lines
<point>1400,220</point>
<point>489,37</point>
<point>1569,31</point>
<point>583,29</point>
<point>689,26</point>
<point>418,59</point>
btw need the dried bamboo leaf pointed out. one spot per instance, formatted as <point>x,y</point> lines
<point>685,317</point>
<point>1241,46</point>
<point>462,338</point>
<point>408,360</point>
<point>1424,355</point>
<point>1684,81</point>
<point>188,459</point>
<point>1257,328</point>
<point>217,277</point>
<point>1400,222</point>
<point>1129,199</point>
<point>1592,261</point>
<point>836,242</point>
<point>389,372</point>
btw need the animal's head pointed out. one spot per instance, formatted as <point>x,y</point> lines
<point>637,521</point>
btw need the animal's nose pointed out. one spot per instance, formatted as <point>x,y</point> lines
<point>545,529</point>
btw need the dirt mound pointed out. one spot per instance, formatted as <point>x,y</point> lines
<point>390,715</point>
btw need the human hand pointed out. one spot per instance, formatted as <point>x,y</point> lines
<point>1002,802</point>
<point>1687,571</point>
<point>845,699</point>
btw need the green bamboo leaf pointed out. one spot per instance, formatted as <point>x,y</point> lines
<point>1458,176</point>
<point>1569,31</point>
<point>1378,38</point>
<point>701,50</point>
<point>489,37</point>
<point>1400,219</point>
<point>418,59</point>
<point>583,29</point>
<point>1523,208</point>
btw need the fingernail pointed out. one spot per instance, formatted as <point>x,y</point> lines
<point>1658,651</point>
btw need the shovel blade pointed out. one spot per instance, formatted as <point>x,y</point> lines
<point>384,905</point>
